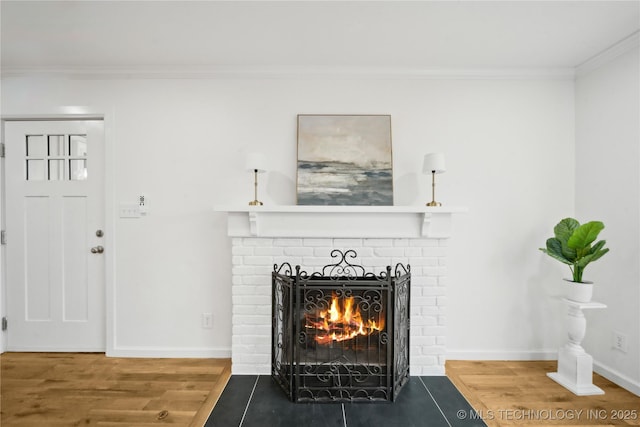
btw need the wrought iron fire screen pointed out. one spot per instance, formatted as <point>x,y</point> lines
<point>340,334</point>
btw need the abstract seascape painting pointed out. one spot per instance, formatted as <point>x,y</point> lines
<point>345,160</point>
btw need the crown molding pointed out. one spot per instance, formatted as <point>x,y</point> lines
<point>612,52</point>
<point>285,72</point>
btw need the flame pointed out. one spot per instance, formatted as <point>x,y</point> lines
<point>341,322</point>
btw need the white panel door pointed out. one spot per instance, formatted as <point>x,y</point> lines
<point>54,211</point>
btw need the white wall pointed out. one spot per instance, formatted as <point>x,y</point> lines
<point>608,189</point>
<point>509,147</point>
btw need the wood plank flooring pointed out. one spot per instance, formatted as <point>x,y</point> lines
<point>73,389</point>
<point>79,389</point>
<point>520,393</point>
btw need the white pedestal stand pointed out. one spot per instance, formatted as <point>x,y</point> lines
<point>575,366</point>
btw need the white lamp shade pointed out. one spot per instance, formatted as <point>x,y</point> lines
<point>256,161</point>
<point>433,162</point>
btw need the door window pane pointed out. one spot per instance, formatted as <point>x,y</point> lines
<point>78,145</point>
<point>36,146</point>
<point>36,170</point>
<point>56,170</point>
<point>56,145</point>
<point>78,168</point>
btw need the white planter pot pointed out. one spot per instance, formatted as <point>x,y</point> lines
<point>579,292</point>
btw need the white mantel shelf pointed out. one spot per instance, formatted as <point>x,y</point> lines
<point>340,221</point>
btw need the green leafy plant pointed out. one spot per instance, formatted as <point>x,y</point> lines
<point>572,245</point>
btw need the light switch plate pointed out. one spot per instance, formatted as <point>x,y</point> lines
<point>129,210</point>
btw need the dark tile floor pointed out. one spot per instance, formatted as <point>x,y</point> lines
<point>257,401</point>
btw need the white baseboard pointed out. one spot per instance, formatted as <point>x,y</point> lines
<point>21,349</point>
<point>502,355</point>
<point>172,352</point>
<point>617,378</point>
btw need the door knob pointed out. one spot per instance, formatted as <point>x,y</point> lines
<point>97,250</point>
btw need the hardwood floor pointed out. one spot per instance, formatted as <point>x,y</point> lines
<point>78,389</point>
<point>517,393</point>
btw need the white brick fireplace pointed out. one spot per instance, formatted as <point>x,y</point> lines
<point>305,236</point>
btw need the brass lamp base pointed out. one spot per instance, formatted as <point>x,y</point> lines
<point>433,191</point>
<point>255,202</point>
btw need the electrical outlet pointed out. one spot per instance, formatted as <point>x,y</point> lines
<point>143,204</point>
<point>207,320</point>
<point>620,342</point>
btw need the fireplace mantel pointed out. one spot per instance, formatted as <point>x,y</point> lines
<point>340,221</point>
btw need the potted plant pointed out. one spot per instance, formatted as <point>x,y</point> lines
<point>572,245</point>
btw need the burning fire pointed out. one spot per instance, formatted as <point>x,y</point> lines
<point>342,321</point>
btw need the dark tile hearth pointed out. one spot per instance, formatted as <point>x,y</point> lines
<point>257,401</point>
